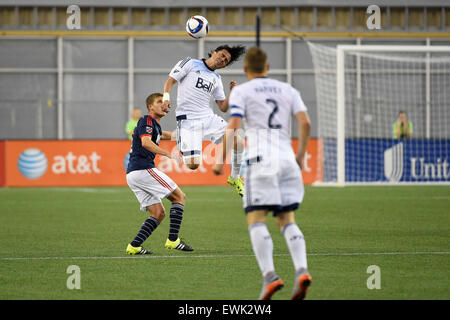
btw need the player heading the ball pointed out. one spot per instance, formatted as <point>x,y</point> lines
<point>198,81</point>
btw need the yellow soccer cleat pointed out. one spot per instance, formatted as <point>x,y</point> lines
<point>238,184</point>
<point>178,245</point>
<point>136,250</point>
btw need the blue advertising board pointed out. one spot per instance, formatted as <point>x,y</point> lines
<point>397,160</point>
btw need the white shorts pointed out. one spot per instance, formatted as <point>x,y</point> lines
<point>191,133</point>
<point>150,186</point>
<point>272,185</point>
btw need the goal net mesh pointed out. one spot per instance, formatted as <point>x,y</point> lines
<point>378,85</point>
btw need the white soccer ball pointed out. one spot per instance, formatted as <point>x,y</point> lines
<point>197,27</point>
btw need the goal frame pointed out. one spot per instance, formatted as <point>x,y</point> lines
<point>341,50</point>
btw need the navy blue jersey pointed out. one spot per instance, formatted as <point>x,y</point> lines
<point>141,158</point>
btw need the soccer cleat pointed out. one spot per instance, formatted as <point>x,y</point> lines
<point>271,284</point>
<point>302,282</point>
<point>238,184</point>
<point>136,250</point>
<point>178,245</point>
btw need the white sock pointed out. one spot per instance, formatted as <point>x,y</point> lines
<point>262,246</point>
<point>236,161</point>
<point>296,244</point>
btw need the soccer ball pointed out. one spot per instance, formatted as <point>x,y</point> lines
<point>197,27</point>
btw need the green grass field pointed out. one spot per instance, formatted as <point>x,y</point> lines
<point>405,231</point>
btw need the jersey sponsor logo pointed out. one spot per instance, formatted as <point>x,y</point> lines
<point>203,84</point>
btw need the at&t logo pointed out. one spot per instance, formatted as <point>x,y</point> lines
<point>32,163</point>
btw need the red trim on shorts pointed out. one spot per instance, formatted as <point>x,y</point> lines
<point>159,179</point>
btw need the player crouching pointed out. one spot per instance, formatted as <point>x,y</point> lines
<point>151,185</point>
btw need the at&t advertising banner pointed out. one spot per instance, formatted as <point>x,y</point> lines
<point>103,163</point>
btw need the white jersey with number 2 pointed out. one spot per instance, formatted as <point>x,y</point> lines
<point>266,106</point>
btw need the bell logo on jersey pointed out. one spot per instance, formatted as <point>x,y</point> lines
<point>204,84</point>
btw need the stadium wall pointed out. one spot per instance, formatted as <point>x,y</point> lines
<point>34,163</point>
<point>77,85</point>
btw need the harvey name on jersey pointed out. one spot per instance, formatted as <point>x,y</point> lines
<point>196,84</point>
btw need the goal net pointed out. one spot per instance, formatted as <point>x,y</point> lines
<point>361,91</point>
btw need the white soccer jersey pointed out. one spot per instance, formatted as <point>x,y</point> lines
<point>266,106</point>
<point>196,84</point>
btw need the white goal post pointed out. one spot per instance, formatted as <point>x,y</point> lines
<point>370,85</point>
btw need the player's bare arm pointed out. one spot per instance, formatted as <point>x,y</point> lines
<point>167,88</point>
<point>168,135</point>
<point>223,104</point>
<point>304,130</point>
<point>148,144</point>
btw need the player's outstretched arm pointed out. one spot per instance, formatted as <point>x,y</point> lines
<point>304,130</point>
<point>148,144</point>
<point>169,84</point>
<point>223,104</point>
<point>168,135</point>
<point>167,88</point>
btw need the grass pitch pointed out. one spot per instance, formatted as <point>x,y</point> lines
<point>402,230</point>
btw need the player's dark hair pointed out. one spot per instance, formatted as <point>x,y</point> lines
<point>236,52</point>
<point>255,60</point>
<point>151,98</point>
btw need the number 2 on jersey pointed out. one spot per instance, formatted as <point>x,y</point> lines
<point>275,110</point>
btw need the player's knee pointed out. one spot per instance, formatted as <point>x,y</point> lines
<point>177,196</point>
<point>161,215</point>
<point>285,218</point>
<point>158,214</point>
<point>193,163</point>
<point>193,166</point>
<point>181,197</point>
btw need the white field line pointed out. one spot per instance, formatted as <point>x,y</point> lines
<point>227,256</point>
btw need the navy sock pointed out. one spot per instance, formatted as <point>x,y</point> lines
<point>147,228</point>
<point>176,216</point>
